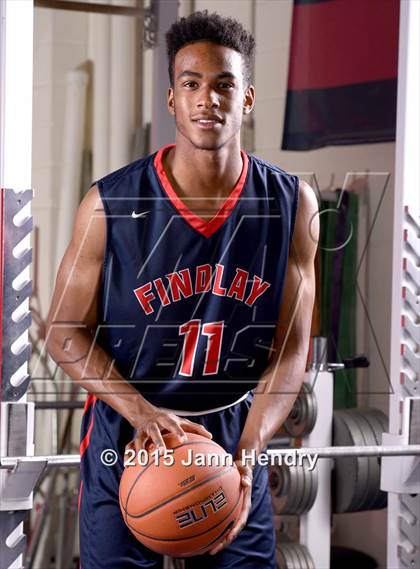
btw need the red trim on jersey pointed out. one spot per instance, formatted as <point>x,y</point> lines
<point>86,440</point>
<point>89,400</point>
<point>206,228</point>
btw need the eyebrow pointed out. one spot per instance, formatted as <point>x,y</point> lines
<point>222,75</point>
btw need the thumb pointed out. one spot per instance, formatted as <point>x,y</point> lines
<point>246,480</point>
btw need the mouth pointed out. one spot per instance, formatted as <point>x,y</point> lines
<point>208,123</point>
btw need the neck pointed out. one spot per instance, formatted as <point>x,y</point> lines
<point>198,172</point>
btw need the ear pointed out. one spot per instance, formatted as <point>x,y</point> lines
<point>171,101</point>
<point>249,99</point>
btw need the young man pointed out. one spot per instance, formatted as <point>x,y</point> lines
<point>181,291</point>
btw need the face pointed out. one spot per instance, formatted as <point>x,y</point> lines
<point>209,97</point>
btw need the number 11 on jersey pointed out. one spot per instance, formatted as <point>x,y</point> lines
<point>191,331</point>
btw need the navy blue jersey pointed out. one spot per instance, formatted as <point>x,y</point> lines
<point>189,306</point>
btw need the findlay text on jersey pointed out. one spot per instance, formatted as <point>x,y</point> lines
<point>180,285</point>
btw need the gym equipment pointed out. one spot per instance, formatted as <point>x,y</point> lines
<point>402,482</point>
<point>293,556</point>
<point>302,417</point>
<point>356,480</point>
<point>16,418</point>
<point>12,462</point>
<point>293,488</point>
<point>183,503</point>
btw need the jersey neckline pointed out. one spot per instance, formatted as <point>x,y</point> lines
<point>206,228</point>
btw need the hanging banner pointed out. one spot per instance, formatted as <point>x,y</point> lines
<point>342,84</point>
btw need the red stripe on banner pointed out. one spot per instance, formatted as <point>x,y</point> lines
<point>86,440</point>
<point>343,42</point>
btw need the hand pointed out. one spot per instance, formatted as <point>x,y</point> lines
<point>246,481</point>
<point>157,421</point>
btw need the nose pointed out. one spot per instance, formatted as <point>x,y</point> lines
<point>208,99</point>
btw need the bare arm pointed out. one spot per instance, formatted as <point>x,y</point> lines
<point>71,325</point>
<point>281,381</point>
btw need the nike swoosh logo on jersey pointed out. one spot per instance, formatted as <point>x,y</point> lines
<point>135,215</point>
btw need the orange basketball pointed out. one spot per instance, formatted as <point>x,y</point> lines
<point>184,508</point>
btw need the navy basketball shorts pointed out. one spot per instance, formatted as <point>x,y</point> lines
<point>105,540</point>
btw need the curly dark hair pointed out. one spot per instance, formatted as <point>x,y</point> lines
<point>202,26</point>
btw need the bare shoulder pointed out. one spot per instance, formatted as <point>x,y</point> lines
<point>308,202</point>
<point>79,274</point>
<point>89,232</point>
<point>92,200</point>
<point>306,231</point>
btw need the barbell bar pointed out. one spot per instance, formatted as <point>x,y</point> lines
<point>334,452</point>
<point>10,462</point>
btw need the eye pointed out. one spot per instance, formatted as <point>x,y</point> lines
<point>190,84</point>
<point>224,85</point>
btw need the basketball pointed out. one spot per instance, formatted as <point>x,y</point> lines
<point>183,505</point>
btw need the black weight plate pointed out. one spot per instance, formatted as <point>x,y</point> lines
<point>297,496</point>
<point>293,558</point>
<point>374,462</point>
<point>307,487</point>
<point>373,478</point>
<point>301,419</point>
<point>350,473</point>
<point>363,489</point>
<point>382,418</point>
<point>344,475</point>
<point>313,488</point>
<point>275,480</point>
<point>280,561</point>
<point>300,493</point>
<point>281,480</point>
<point>312,406</point>
<point>379,424</point>
<point>298,549</point>
<point>309,561</point>
<point>283,556</point>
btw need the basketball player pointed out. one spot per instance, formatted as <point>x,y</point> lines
<point>184,300</point>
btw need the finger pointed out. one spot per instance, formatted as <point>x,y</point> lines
<point>245,472</point>
<point>192,427</point>
<point>139,440</point>
<point>232,535</point>
<point>156,436</point>
<point>246,480</point>
<point>237,527</point>
<point>243,515</point>
<point>175,428</point>
<point>142,440</point>
<point>129,446</point>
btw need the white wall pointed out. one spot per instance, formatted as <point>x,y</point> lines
<point>60,44</point>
